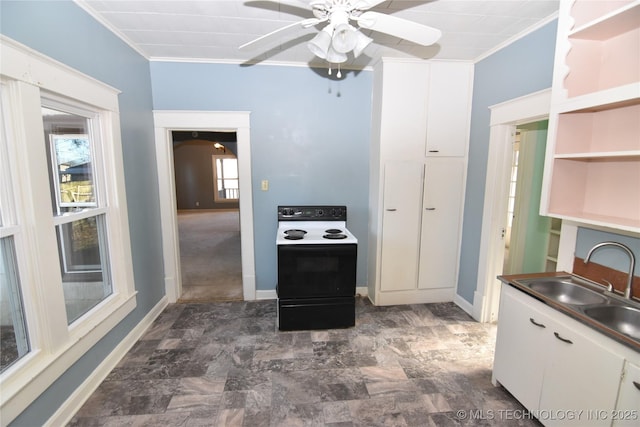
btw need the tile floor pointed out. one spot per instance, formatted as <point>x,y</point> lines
<point>225,364</point>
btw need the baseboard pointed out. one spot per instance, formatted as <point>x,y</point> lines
<point>68,409</point>
<point>416,296</point>
<point>464,304</point>
<point>363,291</point>
<point>270,294</point>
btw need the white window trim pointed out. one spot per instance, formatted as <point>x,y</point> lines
<point>55,345</point>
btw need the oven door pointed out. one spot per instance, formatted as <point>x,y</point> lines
<point>324,270</point>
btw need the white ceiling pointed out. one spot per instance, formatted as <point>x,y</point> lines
<point>212,30</point>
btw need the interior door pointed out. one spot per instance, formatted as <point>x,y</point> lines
<point>401,225</point>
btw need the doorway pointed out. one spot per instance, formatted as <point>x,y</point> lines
<point>165,123</point>
<point>207,196</point>
<point>527,233</point>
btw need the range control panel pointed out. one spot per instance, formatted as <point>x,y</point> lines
<point>312,213</point>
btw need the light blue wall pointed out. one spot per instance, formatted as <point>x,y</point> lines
<point>309,137</point>
<point>523,67</point>
<point>63,31</point>
<point>608,256</point>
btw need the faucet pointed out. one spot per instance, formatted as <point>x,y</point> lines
<point>632,260</point>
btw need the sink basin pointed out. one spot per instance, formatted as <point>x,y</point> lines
<point>625,320</point>
<point>564,291</point>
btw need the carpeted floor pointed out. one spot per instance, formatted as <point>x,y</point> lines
<point>210,257</point>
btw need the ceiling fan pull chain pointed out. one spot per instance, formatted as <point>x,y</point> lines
<point>339,75</point>
<point>329,69</point>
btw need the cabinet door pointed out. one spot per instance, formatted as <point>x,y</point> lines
<point>449,108</point>
<point>580,375</point>
<point>628,408</point>
<point>440,238</point>
<point>401,225</point>
<point>520,350</point>
<point>403,125</point>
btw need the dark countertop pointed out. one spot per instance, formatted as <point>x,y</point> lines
<point>568,309</point>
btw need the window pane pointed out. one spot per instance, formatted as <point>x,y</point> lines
<point>14,341</point>
<point>230,168</point>
<point>85,274</point>
<point>69,148</point>
<point>227,183</point>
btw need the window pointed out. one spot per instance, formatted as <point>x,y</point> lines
<point>71,140</point>
<point>14,339</point>
<point>65,259</point>
<point>225,177</point>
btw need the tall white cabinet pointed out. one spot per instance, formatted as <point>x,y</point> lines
<point>421,112</point>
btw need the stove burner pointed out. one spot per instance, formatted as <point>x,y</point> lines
<point>335,236</point>
<point>333,231</point>
<point>294,234</point>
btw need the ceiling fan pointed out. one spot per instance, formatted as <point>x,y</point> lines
<point>339,36</point>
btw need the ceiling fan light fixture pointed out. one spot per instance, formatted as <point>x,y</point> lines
<point>361,43</point>
<point>321,43</point>
<point>344,38</point>
<point>335,57</point>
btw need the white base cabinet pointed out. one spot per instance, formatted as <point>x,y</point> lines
<point>556,367</point>
<point>627,411</point>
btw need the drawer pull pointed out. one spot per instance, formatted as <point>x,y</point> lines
<point>637,384</point>
<point>391,210</point>
<point>434,151</point>
<point>562,339</point>
<point>540,325</point>
<point>430,209</point>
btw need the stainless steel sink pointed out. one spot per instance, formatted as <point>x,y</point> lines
<point>565,291</point>
<point>623,319</point>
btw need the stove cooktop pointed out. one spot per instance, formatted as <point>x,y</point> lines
<point>318,224</point>
<point>297,232</point>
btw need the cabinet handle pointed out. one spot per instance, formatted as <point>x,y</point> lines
<point>391,210</point>
<point>540,325</point>
<point>430,209</point>
<point>637,384</point>
<point>434,151</point>
<point>562,339</point>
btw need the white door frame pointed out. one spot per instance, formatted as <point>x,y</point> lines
<point>504,118</point>
<point>228,121</point>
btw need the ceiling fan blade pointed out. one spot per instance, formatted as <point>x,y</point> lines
<point>399,27</point>
<point>367,4</point>
<point>262,40</point>
<point>276,3</point>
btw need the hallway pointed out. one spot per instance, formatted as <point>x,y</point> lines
<point>210,257</point>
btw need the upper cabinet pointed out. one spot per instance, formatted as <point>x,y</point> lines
<point>592,170</point>
<point>448,109</point>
